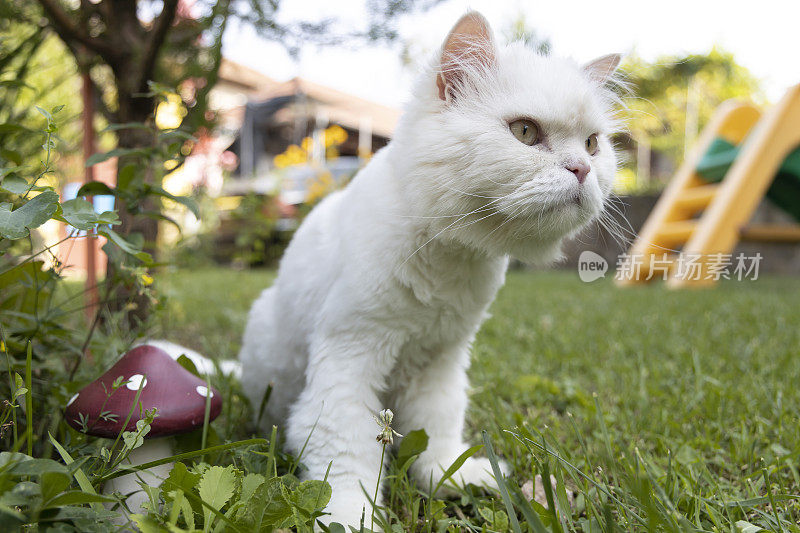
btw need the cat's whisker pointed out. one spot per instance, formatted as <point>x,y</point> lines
<point>485,207</point>
<point>465,193</point>
<point>443,230</point>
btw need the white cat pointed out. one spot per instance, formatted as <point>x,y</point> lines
<point>380,293</point>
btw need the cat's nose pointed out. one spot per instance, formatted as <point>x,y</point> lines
<point>580,169</point>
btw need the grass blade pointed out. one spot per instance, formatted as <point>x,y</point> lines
<point>29,399</point>
<point>80,477</point>
<point>501,483</point>
<point>453,468</point>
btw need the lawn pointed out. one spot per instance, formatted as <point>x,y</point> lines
<point>659,409</point>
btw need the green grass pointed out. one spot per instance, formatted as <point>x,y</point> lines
<point>683,405</point>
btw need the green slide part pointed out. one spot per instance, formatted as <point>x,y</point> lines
<point>785,189</point>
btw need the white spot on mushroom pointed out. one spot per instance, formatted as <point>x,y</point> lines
<point>202,390</point>
<point>74,397</point>
<point>135,381</point>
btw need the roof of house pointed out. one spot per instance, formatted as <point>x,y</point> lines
<point>246,78</point>
<point>340,107</point>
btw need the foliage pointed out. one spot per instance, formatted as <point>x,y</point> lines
<point>258,238</point>
<point>521,30</point>
<point>672,88</point>
<point>36,69</point>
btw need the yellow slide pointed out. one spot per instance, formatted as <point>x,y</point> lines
<point>699,222</point>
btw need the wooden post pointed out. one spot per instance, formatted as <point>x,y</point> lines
<point>91,238</point>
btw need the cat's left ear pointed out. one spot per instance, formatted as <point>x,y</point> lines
<point>468,49</point>
<point>602,68</point>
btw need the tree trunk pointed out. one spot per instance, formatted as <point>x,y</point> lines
<point>134,108</point>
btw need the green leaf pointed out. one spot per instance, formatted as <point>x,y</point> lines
<point>250,483</point>
<point>53,483</point>
<point>125,177</point>
<point>19,387</point>
<point>414,443</point>
<point>117,152</point>
<point>501,483</point>
<point>127,247</point>
<point>188,364</point>
<point>38,210</point>
<point>166,135</point>
<point>75,497</point>
<point>80,476</point>
<point>180,506</point>
<point>181,478</point>
<point>145,524</point>
<point>311,495</point>
<point>268,506</point>
<point>44,113</point>
<point>188,202</point>
<point>453,468</point>
<point>79,213</point>
<point>216,487</point>
<point>744,526</point>
<point>13,183</point>
<point>127,126</point>
<point>37,467</point>
<point>93,188</point>
<point>11,155</point>
<point>498,520</point>
<point>12,128</point>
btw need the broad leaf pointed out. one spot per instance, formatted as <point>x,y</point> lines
<point>311,495</point>
<point>250,483</point>
<point>11,155</point>
<point>18,223</point>
<point>80,214</point>
<point>76,497</point>
<point>414,443</point>
<point>186,201</point>
<point>127,247</point>
<point>37,467</point>
<point>215,488</point>
<point>92,188</point>
<point>53,483</point>
<point>117,152</point>
<point>13,183</point>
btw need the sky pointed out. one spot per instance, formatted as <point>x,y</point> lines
<point>764,36</point>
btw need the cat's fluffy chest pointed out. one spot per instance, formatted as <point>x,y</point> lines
<point>447,292</point>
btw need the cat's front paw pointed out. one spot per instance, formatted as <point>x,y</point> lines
<point>478,471</point>
<point>475,471</point>
<point>348,509</point>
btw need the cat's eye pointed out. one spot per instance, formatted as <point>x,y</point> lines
<point>591,144</point>
<point>526,131</point>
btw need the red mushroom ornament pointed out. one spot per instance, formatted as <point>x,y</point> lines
<point>178,396</point>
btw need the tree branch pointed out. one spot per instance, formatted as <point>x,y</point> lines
<point>71,34</point>
<point>155,40</point>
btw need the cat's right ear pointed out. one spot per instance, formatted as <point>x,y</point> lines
<point>468,49</point>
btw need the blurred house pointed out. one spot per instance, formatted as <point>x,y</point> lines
<point>271,138</point>
<point>315,127</point>
<point>286,142</point>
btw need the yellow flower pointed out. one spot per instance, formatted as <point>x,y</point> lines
<point>147,280</point>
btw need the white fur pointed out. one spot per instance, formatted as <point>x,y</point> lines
<point>385,284</point>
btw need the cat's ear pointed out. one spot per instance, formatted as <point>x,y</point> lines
<point>602,68</point>
<point>469,48</point>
